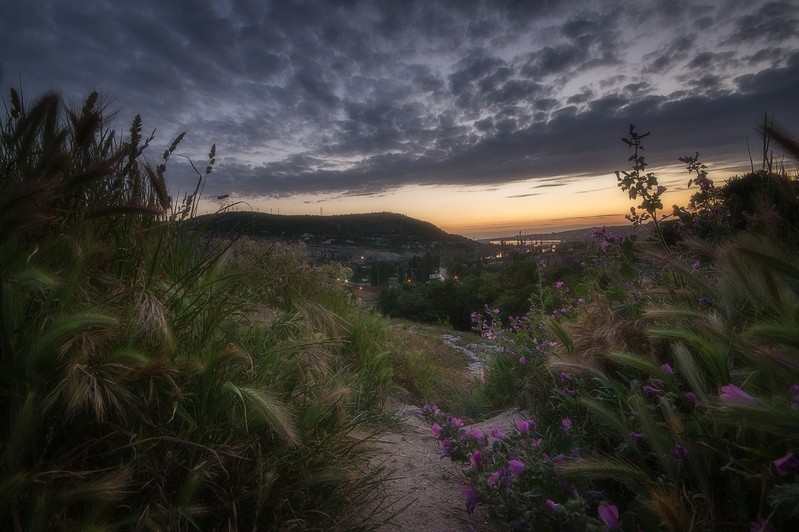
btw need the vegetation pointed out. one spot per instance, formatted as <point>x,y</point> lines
<point>664,394</point>
<point>509,286</point>
<point>385,230</point>
<point>156,373</point>
<point>153,377</point>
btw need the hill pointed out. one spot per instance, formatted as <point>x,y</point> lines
<point>340,236</point>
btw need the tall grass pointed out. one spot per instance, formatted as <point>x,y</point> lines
<point>152,376</point>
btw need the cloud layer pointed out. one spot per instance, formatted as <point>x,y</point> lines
<point>350,97</point>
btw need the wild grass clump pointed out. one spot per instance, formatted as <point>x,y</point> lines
<point>665,394</point>
<point>152,377</point>
<point>426,369</point>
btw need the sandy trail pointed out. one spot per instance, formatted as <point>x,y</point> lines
<point>425,489</point>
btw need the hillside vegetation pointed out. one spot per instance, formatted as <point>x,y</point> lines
<point>152,377</point>
<point>161,370</point>
<point>384,229</point>
<point>661,389</point>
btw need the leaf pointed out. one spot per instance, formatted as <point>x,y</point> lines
<point>785,499</point>
<point>581,290</point>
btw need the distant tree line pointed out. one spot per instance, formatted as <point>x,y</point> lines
<point>468,288</point>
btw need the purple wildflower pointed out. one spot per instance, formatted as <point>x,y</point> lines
<point>761,524</point>
<point>680,451</point>
<point>456,422</point>
<point>559,285</point>
<point>473,433</point>
<point>551,505</point>
<point>558,458</point>
<point>476,459</point>
<point>651,390</point>
<point>472,497</point>
<point>691,396</point>
<point>635,436</point>
<point>496,433</point>
<point>609,515</point>
<point>787,464</point>
<point>525,426</point>
<point>732,395</point>
<point>435,428</point>
<point>665,368</point>
<point>493,477</point>
<point>522,361</point>
<point>516,467</point>
<point>446,448</point>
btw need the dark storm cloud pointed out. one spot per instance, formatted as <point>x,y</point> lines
<point>773,22</point>
<point>355,97</point>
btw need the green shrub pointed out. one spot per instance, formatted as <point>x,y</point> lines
<point>150,376</point>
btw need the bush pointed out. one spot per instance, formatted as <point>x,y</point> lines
<point>670,396</point>
<point>152,377</point>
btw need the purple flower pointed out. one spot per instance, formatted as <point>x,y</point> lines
<point>559,285</point>
<point>787,464</point>
<point>691,396</point>
<point>496,433</point>
<point>473,433</point>
<point>537,443</point>
<point>680,451</point>
<point>522,361</point>
<point>566,422</point>
<point>732,395</point>
<point>476,459</point>
<point>635,436</point>
<point>551,505</point>
<point>525,426</point>
<point>516,467</point>
<point>651,390</point>
<point>456,422</point>
<point>761,524</point>
<point>472,497</point>
<point>665,368</point>
<point>446,448</point>
<point>558,458</point>
<point>435,428</point>
<point>493,477</point>
<point>609,515</point>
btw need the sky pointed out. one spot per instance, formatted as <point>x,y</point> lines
<point>483,117</point>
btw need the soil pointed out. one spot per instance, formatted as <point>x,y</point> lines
<point>424,492</point>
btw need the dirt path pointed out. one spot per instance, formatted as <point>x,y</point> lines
<point>425,489</point>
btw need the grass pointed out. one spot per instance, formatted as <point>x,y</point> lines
<point>429,370</point>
